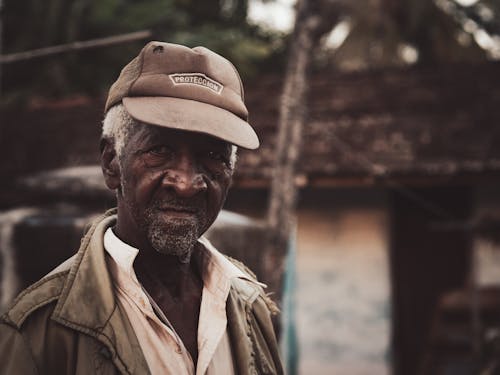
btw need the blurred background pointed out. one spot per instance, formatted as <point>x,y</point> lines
<point>372,208</point>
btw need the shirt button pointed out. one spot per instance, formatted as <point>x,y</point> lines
<point>105,352</point>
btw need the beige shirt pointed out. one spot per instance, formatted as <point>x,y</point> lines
<point>162,347</point>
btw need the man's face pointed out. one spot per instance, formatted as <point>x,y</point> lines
<point>173,185</point>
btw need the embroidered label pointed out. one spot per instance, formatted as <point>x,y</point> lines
<point>199,79</point>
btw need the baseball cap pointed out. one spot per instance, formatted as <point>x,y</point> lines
<point>192,89</point>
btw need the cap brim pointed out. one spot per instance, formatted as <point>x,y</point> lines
<point>190,115</point>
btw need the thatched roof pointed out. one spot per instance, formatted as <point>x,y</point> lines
<point>427,122</point>
<point>420,123</point>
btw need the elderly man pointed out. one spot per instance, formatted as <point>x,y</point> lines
<point>146,293</point>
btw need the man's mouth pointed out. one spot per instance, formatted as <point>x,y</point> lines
<point>178,211</point>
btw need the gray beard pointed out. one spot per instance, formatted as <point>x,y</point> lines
<point>177,239</point>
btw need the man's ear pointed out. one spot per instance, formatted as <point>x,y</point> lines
<point>109,164</point>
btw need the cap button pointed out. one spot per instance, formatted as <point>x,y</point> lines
<point>158,49</point>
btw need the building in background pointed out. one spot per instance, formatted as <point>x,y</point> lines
<point>399,169</point>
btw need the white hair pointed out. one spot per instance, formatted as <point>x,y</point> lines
<point>233,157</point>
<point>118,125</point>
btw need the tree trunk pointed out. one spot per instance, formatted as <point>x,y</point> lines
<point>311,23</point>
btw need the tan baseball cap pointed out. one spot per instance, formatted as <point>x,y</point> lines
<point>184,88</point>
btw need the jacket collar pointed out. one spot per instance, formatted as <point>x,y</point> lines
<point>87,297</point>
<point>87,301</point>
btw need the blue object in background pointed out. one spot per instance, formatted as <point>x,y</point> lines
<point>289,345</point>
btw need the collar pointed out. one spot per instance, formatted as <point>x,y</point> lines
<point>89,281</point>
<point>224,265</point>
<point>87,302</point>
<point>217,268</point>
<point>122,253</point>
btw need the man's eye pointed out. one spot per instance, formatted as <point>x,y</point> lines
<point>159,150</point>
<point>217,156</point>
<point>157,155</point>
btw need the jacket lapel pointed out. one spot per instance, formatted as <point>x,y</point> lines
<point>238,304</point>
<point>87,302</point>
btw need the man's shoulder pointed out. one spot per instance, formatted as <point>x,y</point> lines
<point>243,268</point>
<point>42,293</point>
<point>249,289</point>
<point>49,288</point>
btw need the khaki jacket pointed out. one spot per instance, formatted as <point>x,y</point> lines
<point>69,322</point>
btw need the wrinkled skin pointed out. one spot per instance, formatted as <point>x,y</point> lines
<point>170,186</point>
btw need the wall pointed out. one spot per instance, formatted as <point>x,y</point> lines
<point>487,251</point>
<point>343,288</point>
<point>343,291</point>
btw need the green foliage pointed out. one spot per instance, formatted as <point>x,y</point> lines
<point>218,24</point>
<point>245,50</point>
<point>116,16</point>
<point>381,30</point>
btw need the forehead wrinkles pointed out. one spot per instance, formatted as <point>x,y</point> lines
<point>142,135</point>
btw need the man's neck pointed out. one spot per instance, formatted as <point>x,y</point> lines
<point>127,231</point>
<point>176,288</point>
<point>166,270</point>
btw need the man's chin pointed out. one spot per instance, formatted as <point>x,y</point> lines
<point>177,241</point>
<point>173,234</point>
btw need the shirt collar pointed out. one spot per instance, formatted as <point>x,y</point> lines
<point>124,255</point>
<point>225,265</point>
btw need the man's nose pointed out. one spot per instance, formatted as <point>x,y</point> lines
<point>184,177</point>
